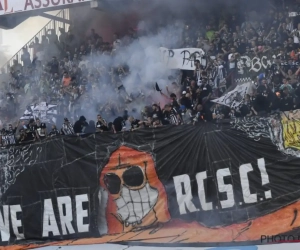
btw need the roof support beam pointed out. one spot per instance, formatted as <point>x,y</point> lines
<point>55,18</point>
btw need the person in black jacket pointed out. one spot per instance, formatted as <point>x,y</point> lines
<point>118,124</point>
<point>90,129</point>
<point>54,132</point>
<point>260,104</point>
<point>245,108</point>
<point>273,101</point>
<point>286,100</point>
<point>80,125</point>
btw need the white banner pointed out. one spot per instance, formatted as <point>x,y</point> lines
<point>182,58</point>
<point>15,6</point>
<point>235,97</point>
<point>256,64</point>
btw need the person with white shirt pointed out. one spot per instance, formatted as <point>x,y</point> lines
<point>289,24</point>
<point>296,34</point>
<point>83,61</point>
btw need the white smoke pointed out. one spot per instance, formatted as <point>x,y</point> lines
<point>163,23</point>
<point>143,59</point>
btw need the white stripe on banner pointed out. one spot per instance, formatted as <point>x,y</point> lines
<point>289,246</point>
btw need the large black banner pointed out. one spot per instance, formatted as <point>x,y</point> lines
<point>161,185</point>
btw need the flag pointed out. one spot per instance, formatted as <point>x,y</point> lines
<point>234,98</point>
<point>45,112</point>
<point>157,87</point>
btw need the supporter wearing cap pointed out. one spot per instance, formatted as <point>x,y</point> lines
<point>185,100</point>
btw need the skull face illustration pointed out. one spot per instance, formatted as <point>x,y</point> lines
<point>131,193</point>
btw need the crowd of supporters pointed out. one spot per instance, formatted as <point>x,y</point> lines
<point>65,70</point>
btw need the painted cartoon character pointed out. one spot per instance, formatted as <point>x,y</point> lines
<point>131,196</point>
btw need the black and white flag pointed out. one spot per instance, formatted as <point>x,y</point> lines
<point>44,111</point>
<point>234,98</point>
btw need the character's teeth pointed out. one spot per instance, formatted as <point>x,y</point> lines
<point>136,197</point>
<point>145,201</point>
<point>130,206</point>
<point>133,205</point>
<point>138,210</point>
<point>137,200</point>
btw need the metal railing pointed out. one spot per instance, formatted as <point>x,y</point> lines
<point>53,24</point>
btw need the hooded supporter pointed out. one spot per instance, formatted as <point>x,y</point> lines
<point>80,125</point>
